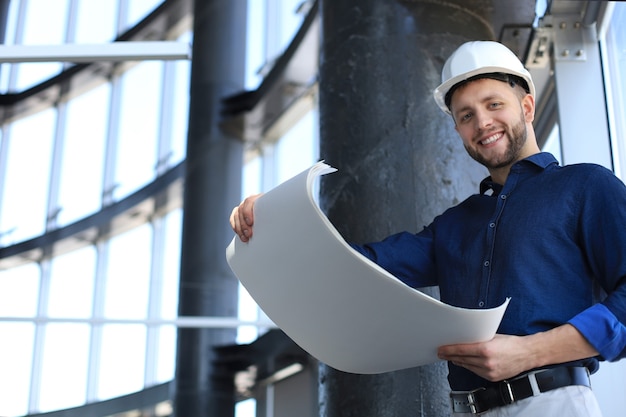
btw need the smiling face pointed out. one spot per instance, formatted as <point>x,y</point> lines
<point>494,121</point>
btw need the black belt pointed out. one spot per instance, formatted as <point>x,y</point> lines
<point>507,392</point>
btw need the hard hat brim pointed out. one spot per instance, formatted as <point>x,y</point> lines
<point>440,92</point>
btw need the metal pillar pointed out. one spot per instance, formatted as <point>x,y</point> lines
<point>212,188</point>
<point>400,160</point>
<point>577,57</point>
<point>4,14</point>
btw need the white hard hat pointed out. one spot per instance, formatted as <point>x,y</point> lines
<point>476,58</point>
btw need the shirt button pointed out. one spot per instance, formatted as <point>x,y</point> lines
<point>503,196</point>
<point>492,225</point>
<point>481,304</point>
<point>486,263</point>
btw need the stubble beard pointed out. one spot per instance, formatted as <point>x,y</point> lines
<point>517,138</point>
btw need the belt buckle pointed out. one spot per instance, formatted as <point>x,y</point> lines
<point>471,401</point>
<point>506,392</point>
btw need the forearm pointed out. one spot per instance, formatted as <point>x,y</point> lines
<point>561,344</point>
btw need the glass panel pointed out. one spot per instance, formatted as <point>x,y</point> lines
<point>11,22</point>
<point>166,348</point>
<point>19,292</point>
<point>4,78</point>
<point>45,24</point>
<point>295,151</point>
<point>139,122</point>
<point>128,276</point>
<point>553,144</point>
<point>252,179</point>
<point>180,115</point>
<point>255,41</point>
<point>171,265</point>
<point>96,21</point>
<point>9,39</point>
<point>264,45</point>
<point>25,197</point>
<point>139,9</point>
<point>122,362</point>
<point>291,21</point>
<point>166,351</point>
<point>616,70</point>
<point>247,310</point>
<point>16,360</point>
<point>64,366</point>
<point>246,408</point>
<point>82,168</point>
<point>71,284</point>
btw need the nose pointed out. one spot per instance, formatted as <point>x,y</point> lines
<point>483,119</point>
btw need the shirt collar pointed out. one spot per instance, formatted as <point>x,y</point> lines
<point>541,160</point>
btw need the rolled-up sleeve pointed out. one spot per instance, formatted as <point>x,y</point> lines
<point>603,331</point>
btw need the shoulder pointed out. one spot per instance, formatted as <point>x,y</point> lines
<point>592,172</point>
<point>593,185</point>
<point>587,167</point>
<point>589,174</point>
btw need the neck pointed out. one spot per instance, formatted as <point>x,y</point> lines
<point>499,175</point>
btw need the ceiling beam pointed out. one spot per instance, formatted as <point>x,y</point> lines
<point>87,53</point>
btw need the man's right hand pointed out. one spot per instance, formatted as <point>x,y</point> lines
<point>242,218</point>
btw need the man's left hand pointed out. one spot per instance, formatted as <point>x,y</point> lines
<point>500,358</point>
<point>507,356</point>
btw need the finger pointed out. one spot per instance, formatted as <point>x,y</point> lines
<point>246,210</point>
<point>235,223</point>
<point>233,219</point>
<point>244,223</point>
<point>246,215</point>
<point>467,361</point>
<point>455,351</point>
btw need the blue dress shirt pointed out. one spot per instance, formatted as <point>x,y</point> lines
<point>553,239</point>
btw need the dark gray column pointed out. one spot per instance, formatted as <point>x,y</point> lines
<point>212,188</point>
<point>400,160</point>
<point>4,14</point>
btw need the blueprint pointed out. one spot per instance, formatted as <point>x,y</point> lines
<point>337,305</point>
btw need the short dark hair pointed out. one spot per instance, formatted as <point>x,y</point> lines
<point>510,79</point>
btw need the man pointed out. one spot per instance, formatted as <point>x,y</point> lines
<point>547,236</point>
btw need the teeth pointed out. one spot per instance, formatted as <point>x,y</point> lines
<point>490,139</point>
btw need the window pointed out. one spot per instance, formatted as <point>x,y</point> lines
<point>25,198</point>
<point>614,48</point>
<point>80,319</point>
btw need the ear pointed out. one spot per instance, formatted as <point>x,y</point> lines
<point>528,107</point>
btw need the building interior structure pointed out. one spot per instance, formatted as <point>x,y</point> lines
<point>129,128</point>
